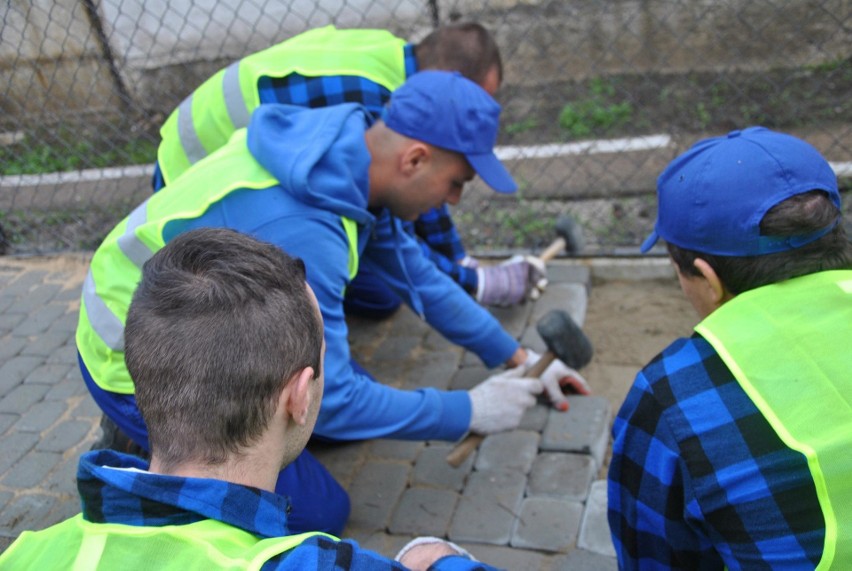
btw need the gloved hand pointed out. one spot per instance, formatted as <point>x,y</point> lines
<point>556,376</point>
<point>422,552</point>
<point>499,402</point>
<point>511,282</point>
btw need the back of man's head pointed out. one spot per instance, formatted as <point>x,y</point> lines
<point>759,206</point>
<point>464,47</point>
<point>217,326</point>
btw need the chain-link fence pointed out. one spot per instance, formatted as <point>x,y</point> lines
<point>597,98</point>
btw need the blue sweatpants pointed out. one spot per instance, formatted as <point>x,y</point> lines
<point>318,502</point>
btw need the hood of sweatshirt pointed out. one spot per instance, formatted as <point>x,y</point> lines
<point>318,155</point>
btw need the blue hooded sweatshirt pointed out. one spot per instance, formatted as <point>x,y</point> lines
<point>321,160</point>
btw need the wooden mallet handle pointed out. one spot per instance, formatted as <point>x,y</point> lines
<point>460,453</point>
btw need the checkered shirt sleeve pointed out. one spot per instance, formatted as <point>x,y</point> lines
<point>700,480</point>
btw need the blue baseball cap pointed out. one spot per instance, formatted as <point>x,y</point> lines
<point>449,111</point>
<point>712,198</point>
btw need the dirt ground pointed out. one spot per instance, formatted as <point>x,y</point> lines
<point>629,322</point>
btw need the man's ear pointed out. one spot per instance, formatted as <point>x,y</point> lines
<point>297,396</point>
<point>718,292</point>
<point>415,156</point>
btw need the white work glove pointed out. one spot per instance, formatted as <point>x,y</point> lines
<point>499,402</point>
<point>556,376</point>
<point>511,282</point>
<point>469,262</point>
<point>422,552</point>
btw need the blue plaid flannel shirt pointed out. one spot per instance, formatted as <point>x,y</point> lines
<point>700,480</point>
<point>435,230</point>
<point>131,497</point>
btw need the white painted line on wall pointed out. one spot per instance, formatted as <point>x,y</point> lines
<point>841,169</point>
<point>88,175</point>
<point>583,148</point>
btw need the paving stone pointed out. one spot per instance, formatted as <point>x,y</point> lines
<point>512,450</point>
<point>569,273</point>
<point>5,301</point>
<point>25,282</point>
<point>65,435</point>
<point>66,389</point>
<point>434,369</point>
<point>468,377</point>
<point>406,322</point>
<point>569,297</point>
<point>594,529</point>
<point>488,507</point>
<point>514,318</point>
<point>379,541</point>
<point>67,322</point>
<point>15,446</point>
<point>432,469</point>
<point>39,320</point>
<point>31,469</point>
<point>424,511</point>
<point>71,292</point>
<point>532,340</point>
<point>11,346</point>
<point>585,429</point>
<point>471,359</point>
<point>63,480</point>
<point>22,397</point>
<point>86,408</point>
<point>38,297</point>
<point>47,374</point>
<point>435,341</point>
<point>507,557</point>
<point>67,354</point>
<point>396,348</point>
<point>40,416</point>
<point>4,499</point>
<point>9,320</point>
<point>563,476</point>
<point>15,370</point>
<point>582,560</point>
<point>7,420</point>
<point>535,418</point>
<point>547,524</point>
<point>46,343</point>
<point>375,492</point>
<point>396,449</point>
<point>26,512</point>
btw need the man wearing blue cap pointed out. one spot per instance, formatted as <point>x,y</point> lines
<point>731,449</point>
<point>326,186</point>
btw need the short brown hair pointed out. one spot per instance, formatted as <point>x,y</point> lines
<point>466,47</point>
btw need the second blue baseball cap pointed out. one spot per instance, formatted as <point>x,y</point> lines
<point>712,198</point>
<point>449,111</point>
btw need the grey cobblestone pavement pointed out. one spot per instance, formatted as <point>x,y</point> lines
<point>528,499</point>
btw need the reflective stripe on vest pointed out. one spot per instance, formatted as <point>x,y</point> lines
<point>206,119</point>
<point>78,544</point>
<point>789,345</point>
<point>116,267</point>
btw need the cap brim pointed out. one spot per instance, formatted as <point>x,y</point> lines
<point>492,171</point>
<point>649,241</point>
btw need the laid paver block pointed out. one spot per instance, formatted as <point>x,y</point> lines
<point>434,341</point>
<point>375,491</point>
<point>561,475</point>
<point>594,529</point>
<point>569,273</point>
<point>67,354</point>
<point>15,370</point>
<point>406,322</point>
<point>470,359</point>
<point>46,343</point>
<point>25,512</point>
<point>547,524</point>
<point>424,511</point>
<point>63,480</point>
<point>488,507</point>
<point>341,459</point>
<point>71,292</point>
<point>31,469</point>
<point>507,557</point>
<point>66,389</point>
<point>535,417</point>
<point>15,446</point>
<point>66,323</point>
<point>10,320</point>
<point>48,374</point>
<point>585,429</point>
<point>512,450</point>
<point>434,369</point>
<point>468,377</point>
<point>22,397</point>
<point>4,499</point>
<point>433,470</point>
<point>514,318</point>
<point>65,436</point>
<point>582,560</point>
<point>11,346</point>
<point>40,416</point>
<point>86,408</point>
<point>396,348</point>
<point>532,340</point>
<point>569,297</point>
<point>395,449</point>
<point>25,282</point>
<point>37,299</point>
<point>7,420</point>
